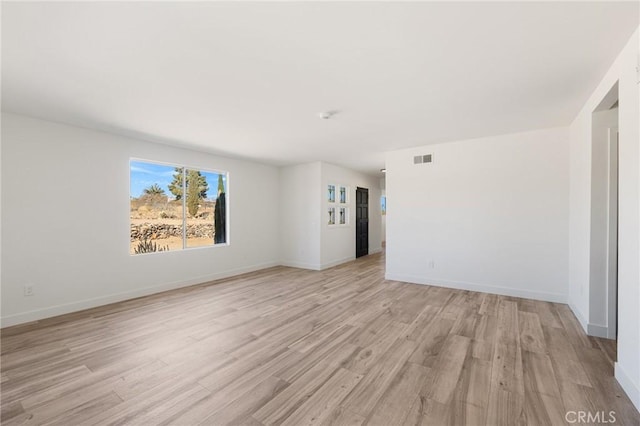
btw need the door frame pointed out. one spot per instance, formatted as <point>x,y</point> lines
<point>612,233</point>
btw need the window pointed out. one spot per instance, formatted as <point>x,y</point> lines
<point>331,193</point>
<point>338,205</point>
<point>343,216</point>
<point>332,215</point>
<point>173,207</point>
<point>343,194</point>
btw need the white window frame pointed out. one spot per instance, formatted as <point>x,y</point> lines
<point>184,206</point>
<point>337,205</point>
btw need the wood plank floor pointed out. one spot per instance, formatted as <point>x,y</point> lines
<point>294,347</point>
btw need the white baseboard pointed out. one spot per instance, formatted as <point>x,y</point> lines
<point>301,265</point>
<point>504,291</point>
<point>347,259</point>
<point>52,311</point>
<point>81,305</point>
<point>337,262</point>
<point>631,389</point>
<point>580,317</point>
<point>598,331</point>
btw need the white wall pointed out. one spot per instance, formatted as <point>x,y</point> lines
<point>599,243</point>
<point>307,240</point>
<point>624,72</point>
<point>491,214</point>
<point>339,242</point>
<point>301,215</point>
<point>65,220</point>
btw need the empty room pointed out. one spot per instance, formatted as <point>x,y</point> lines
<point>320,213</point>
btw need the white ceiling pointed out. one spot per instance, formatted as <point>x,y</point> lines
<point>248,79</point>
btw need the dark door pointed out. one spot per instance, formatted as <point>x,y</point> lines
<point>362,222</point>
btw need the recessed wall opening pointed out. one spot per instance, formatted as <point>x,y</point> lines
<point>603,272</point>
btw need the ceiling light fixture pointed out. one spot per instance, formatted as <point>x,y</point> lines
<point>327,114</point>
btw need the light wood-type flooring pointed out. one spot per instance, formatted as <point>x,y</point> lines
<point>294,347</point>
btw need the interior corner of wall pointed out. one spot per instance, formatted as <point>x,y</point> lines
<point>579,316</point>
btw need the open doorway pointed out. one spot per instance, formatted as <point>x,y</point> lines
<point>603,271</point>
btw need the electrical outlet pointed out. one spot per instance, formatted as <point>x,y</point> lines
<point>28,290</point>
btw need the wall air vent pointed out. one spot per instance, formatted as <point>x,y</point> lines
<point>421,159</point>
